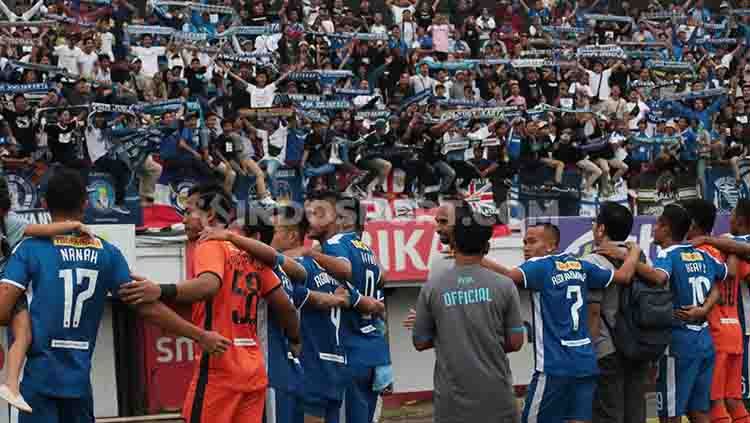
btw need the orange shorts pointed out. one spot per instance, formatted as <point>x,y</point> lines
<point>206,403</point>
<point>727,377</point>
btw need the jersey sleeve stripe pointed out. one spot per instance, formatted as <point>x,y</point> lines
<point>611,275</point>
<point>664,271</point>
<point>525,281</point>
<point>304,301</point>
<point>14,283</point>
<point>213,273</point>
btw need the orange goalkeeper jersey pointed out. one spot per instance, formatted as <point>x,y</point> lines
<point>233,312</point>
<point>724,319</point>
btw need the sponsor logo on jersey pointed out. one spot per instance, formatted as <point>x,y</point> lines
<point>360,245</point>
<point>691,256</point>
<point>564,266</point>
<point>77,242</point>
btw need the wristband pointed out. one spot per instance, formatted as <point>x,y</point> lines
<point>168,292</point>
<point>280,259</point>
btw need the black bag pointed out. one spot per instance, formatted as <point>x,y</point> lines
<point>643,325</point>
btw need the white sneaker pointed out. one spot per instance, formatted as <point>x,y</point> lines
<point>120,210</point>
<point>14,400</point>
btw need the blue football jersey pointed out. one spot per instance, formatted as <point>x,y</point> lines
<point>66,280</point>
<point>691,273</point>
<point>284,371</point>
<point>365,343</point>
<point>323,354</point>
<point>559,285</point>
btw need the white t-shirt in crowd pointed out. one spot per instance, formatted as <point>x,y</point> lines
<point>378,29</point>
<point>398,13</point>
<point>86,62</point>
<point>108,40</point>
<point>595,79</point>
<point>150,58</point>
<point>67,58</point>
<point>261,97</point>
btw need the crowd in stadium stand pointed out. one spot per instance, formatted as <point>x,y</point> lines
<point>448,91</point>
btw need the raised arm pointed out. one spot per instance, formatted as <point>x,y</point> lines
<point>726,245</point>
<point>260,251</point>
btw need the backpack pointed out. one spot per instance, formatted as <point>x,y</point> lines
<point>643,323</point>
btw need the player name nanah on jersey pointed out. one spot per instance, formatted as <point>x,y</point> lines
<point>691,273</point>
<point>66,280</point>
<point>561,338</point>
<point>284,371</point>
<point>364,341</point>
<point>323,354</point>
<point>233,312</point>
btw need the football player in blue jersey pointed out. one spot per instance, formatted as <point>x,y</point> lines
<point>66,280</point>
<point>350,260</point>
<point>685,372</point>
<point>562,388</point>
<point>324,376</point>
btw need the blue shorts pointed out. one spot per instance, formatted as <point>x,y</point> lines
<point>683,384</point>
<point>553,399</point>
<point>360,399</point>
<point>320,407</point>
<point>282,407</point>
<point>54,410</point>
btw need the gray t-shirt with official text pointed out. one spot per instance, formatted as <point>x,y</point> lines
<point>466,311</point>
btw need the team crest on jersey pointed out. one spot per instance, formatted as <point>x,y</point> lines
<point>565,266</point>
<point>77,242</point>
<point>101,194</point>
<point>691,256</point>
<point>23,194</point>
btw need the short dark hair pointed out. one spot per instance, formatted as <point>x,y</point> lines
<point>324,195</point>
<point>258,221</point>
<point>617,220</point>
<point>742,210</point>
<point>550,229</point>
<point>678,220</point>
<point>66,192</point>
<point>470,236</point>
<point>702,213</point>
<point>358,210</point>
<point>214,197</point>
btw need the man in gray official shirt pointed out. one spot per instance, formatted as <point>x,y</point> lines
<point>471,316</point>
<point>620,395</point>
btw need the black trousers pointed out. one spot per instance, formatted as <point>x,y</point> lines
<point>620,395</point>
